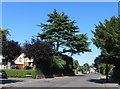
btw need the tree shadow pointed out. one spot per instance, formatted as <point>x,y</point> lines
<point>101,81</point>
<point>7,81</point>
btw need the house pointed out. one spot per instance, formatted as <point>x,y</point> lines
<point>23,61</point>
<point>92,69</point>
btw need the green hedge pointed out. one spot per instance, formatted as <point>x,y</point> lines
<point>20,73</point>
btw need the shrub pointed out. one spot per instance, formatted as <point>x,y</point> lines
<point>27,67</point>
<point>58,62</point>
<point>20,73</point>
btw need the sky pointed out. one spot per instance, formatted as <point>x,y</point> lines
<point>22,18</point>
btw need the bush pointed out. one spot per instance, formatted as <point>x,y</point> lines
<point>20,73</point>
<point>58,62</point>
<point>27,68</point>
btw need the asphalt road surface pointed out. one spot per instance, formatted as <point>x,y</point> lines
<point>88,80</point>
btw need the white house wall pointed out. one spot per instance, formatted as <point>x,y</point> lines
<point>21,59</point>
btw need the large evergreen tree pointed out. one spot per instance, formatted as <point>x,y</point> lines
<point>60,31</point>
<point>107,38</point>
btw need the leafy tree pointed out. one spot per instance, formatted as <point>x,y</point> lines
<point>10,50</point>
<point>41,52</point>
<point>58,62</point>
<point>61,32</point>
<point>3,35</point>
<point>86,67</point>
<point>106,37</point>
<point>69,65</point>
<point>58,65</point>
<point>75,64</point>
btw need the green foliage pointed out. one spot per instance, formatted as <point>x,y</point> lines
<point>58,62</point>
<point>69,63</point>
<point>27,68</point>
<point>75,64</point>
<point>103,69</point>
<point>86,67</point>
<point>61,32</point>
<point>4,33</point>
<point>20,73</point>
<point>106,37</point>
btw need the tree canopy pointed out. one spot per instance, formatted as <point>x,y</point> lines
<point>75,64</point>
<point>4,33</point>
<point>40,51</point>
<point>107,38</point>
<point>86,67</point>
<point>10,50</point>
<point>61,32</point>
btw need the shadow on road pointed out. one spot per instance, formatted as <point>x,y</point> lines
<point>6,81</point>
<point>101,81</point>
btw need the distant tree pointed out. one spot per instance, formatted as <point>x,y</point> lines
<point>61,33</point>
<point>3,37</point>
<point>86,67</point>
<point>4,33</point>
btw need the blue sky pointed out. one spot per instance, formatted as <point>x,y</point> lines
<point>22,18</point>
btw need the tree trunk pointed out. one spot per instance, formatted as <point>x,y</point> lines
<point>106,72</point>
<point>39,73</point>
<point>9,65</point>
<point>57,48</point>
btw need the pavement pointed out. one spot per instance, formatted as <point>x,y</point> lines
<point>109,83</point>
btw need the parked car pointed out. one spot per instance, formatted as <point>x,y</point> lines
<point>86,72</point>
<point>3,74</point>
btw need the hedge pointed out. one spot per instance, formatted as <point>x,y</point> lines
<point>20,73</point>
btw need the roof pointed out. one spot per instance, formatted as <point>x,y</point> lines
<point>22,59</point>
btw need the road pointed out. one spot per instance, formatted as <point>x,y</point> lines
<point>88,80</point>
